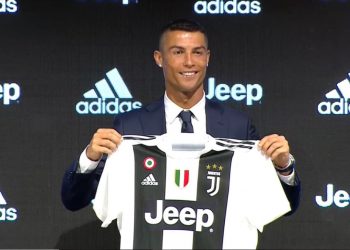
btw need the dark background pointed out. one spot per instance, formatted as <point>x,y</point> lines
<point>57,50</point>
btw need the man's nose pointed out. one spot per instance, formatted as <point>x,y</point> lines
<point>188,60</point>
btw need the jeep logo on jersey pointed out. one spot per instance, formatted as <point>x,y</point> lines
<point>110,96</point>
<point>337,102</point>
<point>187,216</point>
<point>6,214</point>
<point>214,178</point>
<point>182,177</point>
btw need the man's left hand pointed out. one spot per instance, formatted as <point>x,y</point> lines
<point>277,148</point>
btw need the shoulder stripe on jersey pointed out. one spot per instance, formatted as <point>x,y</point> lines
<point>235,141</point>
<point>139,137</point>
<point>234,145</point>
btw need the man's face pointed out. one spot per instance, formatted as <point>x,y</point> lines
<point>184,57</point>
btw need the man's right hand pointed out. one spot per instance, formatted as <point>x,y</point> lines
<point>104,141</point>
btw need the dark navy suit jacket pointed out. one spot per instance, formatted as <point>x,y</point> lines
<point>79,189</point>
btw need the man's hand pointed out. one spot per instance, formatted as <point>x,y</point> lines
<point>104,141</point>
<point>277,148</point>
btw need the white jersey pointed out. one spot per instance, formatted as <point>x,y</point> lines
<point>189,192</point>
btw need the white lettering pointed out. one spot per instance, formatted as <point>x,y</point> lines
<point>202,218</point>
<point>238,92</point>
<point>9,92</point>
<point>329,197</point>
<point>227,7</point>
<point>255,7</point>
<point>158,217</point>
<point>102,106</point>
<point>340,198</point>
<point>8,6</point>
<point>201,214</point>
<point>171,215</point>
<point>340,107</point>
<point>254,93</point>
<point>222,92</point>
<point>187,216</point>
<point>9,214</point>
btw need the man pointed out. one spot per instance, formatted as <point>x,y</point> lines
<point>184,56</point>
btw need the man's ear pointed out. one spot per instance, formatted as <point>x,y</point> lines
<point>208,57</point>
<point>157,55</point>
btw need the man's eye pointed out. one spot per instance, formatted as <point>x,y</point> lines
<point>199,52</point>
<point>177,52</point>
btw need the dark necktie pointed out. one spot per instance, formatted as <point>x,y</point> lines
<point>186,121</point>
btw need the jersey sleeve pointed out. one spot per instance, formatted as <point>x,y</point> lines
<point>110,196</point>
<point>267,200</point>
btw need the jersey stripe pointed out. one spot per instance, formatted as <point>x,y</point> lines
<point>145,236</point>
<point>219,165</point>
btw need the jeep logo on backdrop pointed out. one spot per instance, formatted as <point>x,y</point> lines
<point>9,93</point>
<point>230,7</point>
<point>332,197</point>
<point>249,94</point>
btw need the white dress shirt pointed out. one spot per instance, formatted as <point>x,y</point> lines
<point>174,123</point>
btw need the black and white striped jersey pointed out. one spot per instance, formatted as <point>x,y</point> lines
<point>187,191</point>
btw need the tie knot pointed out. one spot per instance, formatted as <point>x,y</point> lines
<point>185,116</point>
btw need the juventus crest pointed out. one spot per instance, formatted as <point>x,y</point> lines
<point>213,175</point>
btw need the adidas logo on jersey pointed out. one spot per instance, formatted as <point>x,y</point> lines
<point>149,181</point>
<point>338,100</point>
<point>110,96</point>
<point>6,214</point>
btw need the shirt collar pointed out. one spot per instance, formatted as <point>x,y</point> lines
<point>172,110</point>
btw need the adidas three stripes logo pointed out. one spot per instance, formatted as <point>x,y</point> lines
<point>109,96</point>
<point>338,99</point>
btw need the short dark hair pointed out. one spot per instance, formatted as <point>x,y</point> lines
<point>183,25</point>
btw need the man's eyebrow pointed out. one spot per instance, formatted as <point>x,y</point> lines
<point>179,47</point>
<point>176,47</point>
<point>200,47</point>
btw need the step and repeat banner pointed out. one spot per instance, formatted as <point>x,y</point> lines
<point>67,67</point>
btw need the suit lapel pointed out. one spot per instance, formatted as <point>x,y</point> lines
<point>214,116</point>
<point>153,119</point>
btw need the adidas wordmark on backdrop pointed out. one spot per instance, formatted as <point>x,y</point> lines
<point>184,192</point>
